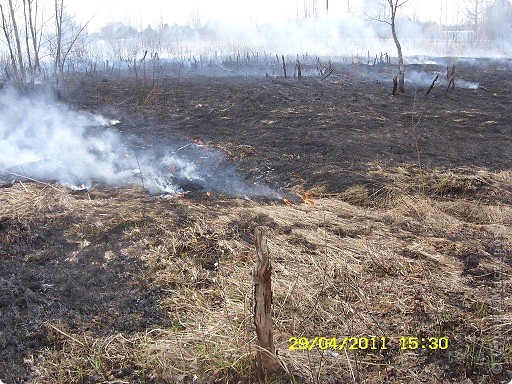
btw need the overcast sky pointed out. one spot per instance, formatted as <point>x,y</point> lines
<point>140,13</point>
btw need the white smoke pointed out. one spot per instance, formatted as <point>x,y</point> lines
<point>46,140</point>
<point>424,79</point>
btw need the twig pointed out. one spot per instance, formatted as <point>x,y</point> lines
<point>67,335</point>
<point>140,170</point>
<point>432,85</point>
<point>36,181</point>
<point>185,146</point>
<point>349,365</point>
<point>23,185</point>
<point>150,95</point>
<point>143,186</point>
<point>326,76</point>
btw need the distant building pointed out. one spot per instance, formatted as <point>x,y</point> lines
<point>117,30</point>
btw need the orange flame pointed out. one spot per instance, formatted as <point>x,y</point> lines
<point>287,202</point>
<point>307,199</point>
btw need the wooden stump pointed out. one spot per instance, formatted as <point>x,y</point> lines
<point>450,76</point>
<point>266,362</point>
<point>395,85</point>
<point>319,66</point>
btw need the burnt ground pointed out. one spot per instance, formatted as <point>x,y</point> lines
<point>407,232</point>
<point>318,133</point>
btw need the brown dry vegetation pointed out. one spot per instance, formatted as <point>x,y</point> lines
<point>115,286</point>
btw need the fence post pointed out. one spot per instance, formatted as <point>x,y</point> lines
<point>266,362</point>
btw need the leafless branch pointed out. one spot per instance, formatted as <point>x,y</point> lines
<point>373,18</point>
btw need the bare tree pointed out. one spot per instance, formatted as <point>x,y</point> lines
<point>72,44</point>
<point>22,20</point>
<point>64,43</point>
<point>59,15</point>
<point>376,10</point>
<point>13,35</point>
<point>23,60</point>
<point>32,8</point>
<point>392,6</point>
<point>17,41</point>
<point>314,9</point>
<point>496,23</point>
<point>25,16</point>
<point>310,9</point>
<point>473,11</point>
<point>7,28</point>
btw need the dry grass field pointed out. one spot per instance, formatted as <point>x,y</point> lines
<point>397,224</point>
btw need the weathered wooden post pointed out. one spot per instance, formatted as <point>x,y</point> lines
<point>395,85</point>
<point>450,76</point>
<point>432,85</point>
<point>266,362</point>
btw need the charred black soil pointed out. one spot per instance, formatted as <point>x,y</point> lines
<point>314,132</point>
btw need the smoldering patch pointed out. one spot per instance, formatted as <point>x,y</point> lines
<point>42,139</point>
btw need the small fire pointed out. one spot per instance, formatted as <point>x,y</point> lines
<point>198,141</point>
<point>307,199</point>
<point>287,202</point>
<point>208,194</point>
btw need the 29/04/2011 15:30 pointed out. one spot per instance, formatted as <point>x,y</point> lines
<point>366,343</point>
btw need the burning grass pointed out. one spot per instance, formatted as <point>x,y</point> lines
<point>117,286</point>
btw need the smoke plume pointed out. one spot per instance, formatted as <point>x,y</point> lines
<point>46,140</point>
<point>424,79</point>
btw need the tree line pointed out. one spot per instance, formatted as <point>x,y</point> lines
<point>31,35</point>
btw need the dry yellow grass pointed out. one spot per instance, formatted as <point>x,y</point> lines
<point>399,263</point>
